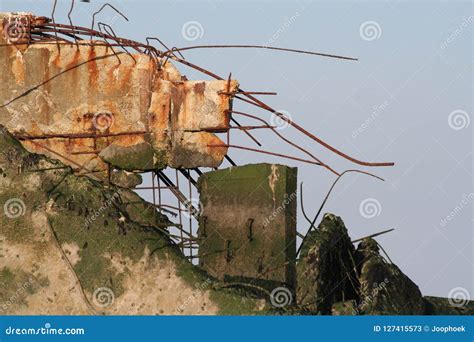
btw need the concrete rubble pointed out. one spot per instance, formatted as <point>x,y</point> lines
<point>93,107</point>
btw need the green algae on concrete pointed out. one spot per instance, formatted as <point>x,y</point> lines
<point>248,224</point>
<point>139,156</point>
<point>326,267</point>
<point>15,286</point>
<point>384,288</point>
<point>110,237</point>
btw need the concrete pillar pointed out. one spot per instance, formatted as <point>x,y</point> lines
<point>248,224</point>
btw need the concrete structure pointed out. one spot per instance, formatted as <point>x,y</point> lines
<point>247,227</point>
<point>92,106</point>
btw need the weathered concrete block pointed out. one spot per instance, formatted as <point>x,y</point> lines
<point>81,100</point>
<point>248,224</point>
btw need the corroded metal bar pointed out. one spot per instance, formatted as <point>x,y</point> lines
<point>75,136</point>
<point>373,235</point>
<point>267,152</point>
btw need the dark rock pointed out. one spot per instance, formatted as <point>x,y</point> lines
<point>334,278</point>
<point>326,268</point>
<point>384,289</point>
<point>446,306</point>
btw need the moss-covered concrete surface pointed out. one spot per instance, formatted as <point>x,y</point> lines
<point>248,224</point>
<point>72,245</point>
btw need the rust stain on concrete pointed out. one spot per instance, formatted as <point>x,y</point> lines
<point>86,90</point>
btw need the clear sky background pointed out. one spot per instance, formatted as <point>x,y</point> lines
<point>408,99</point>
